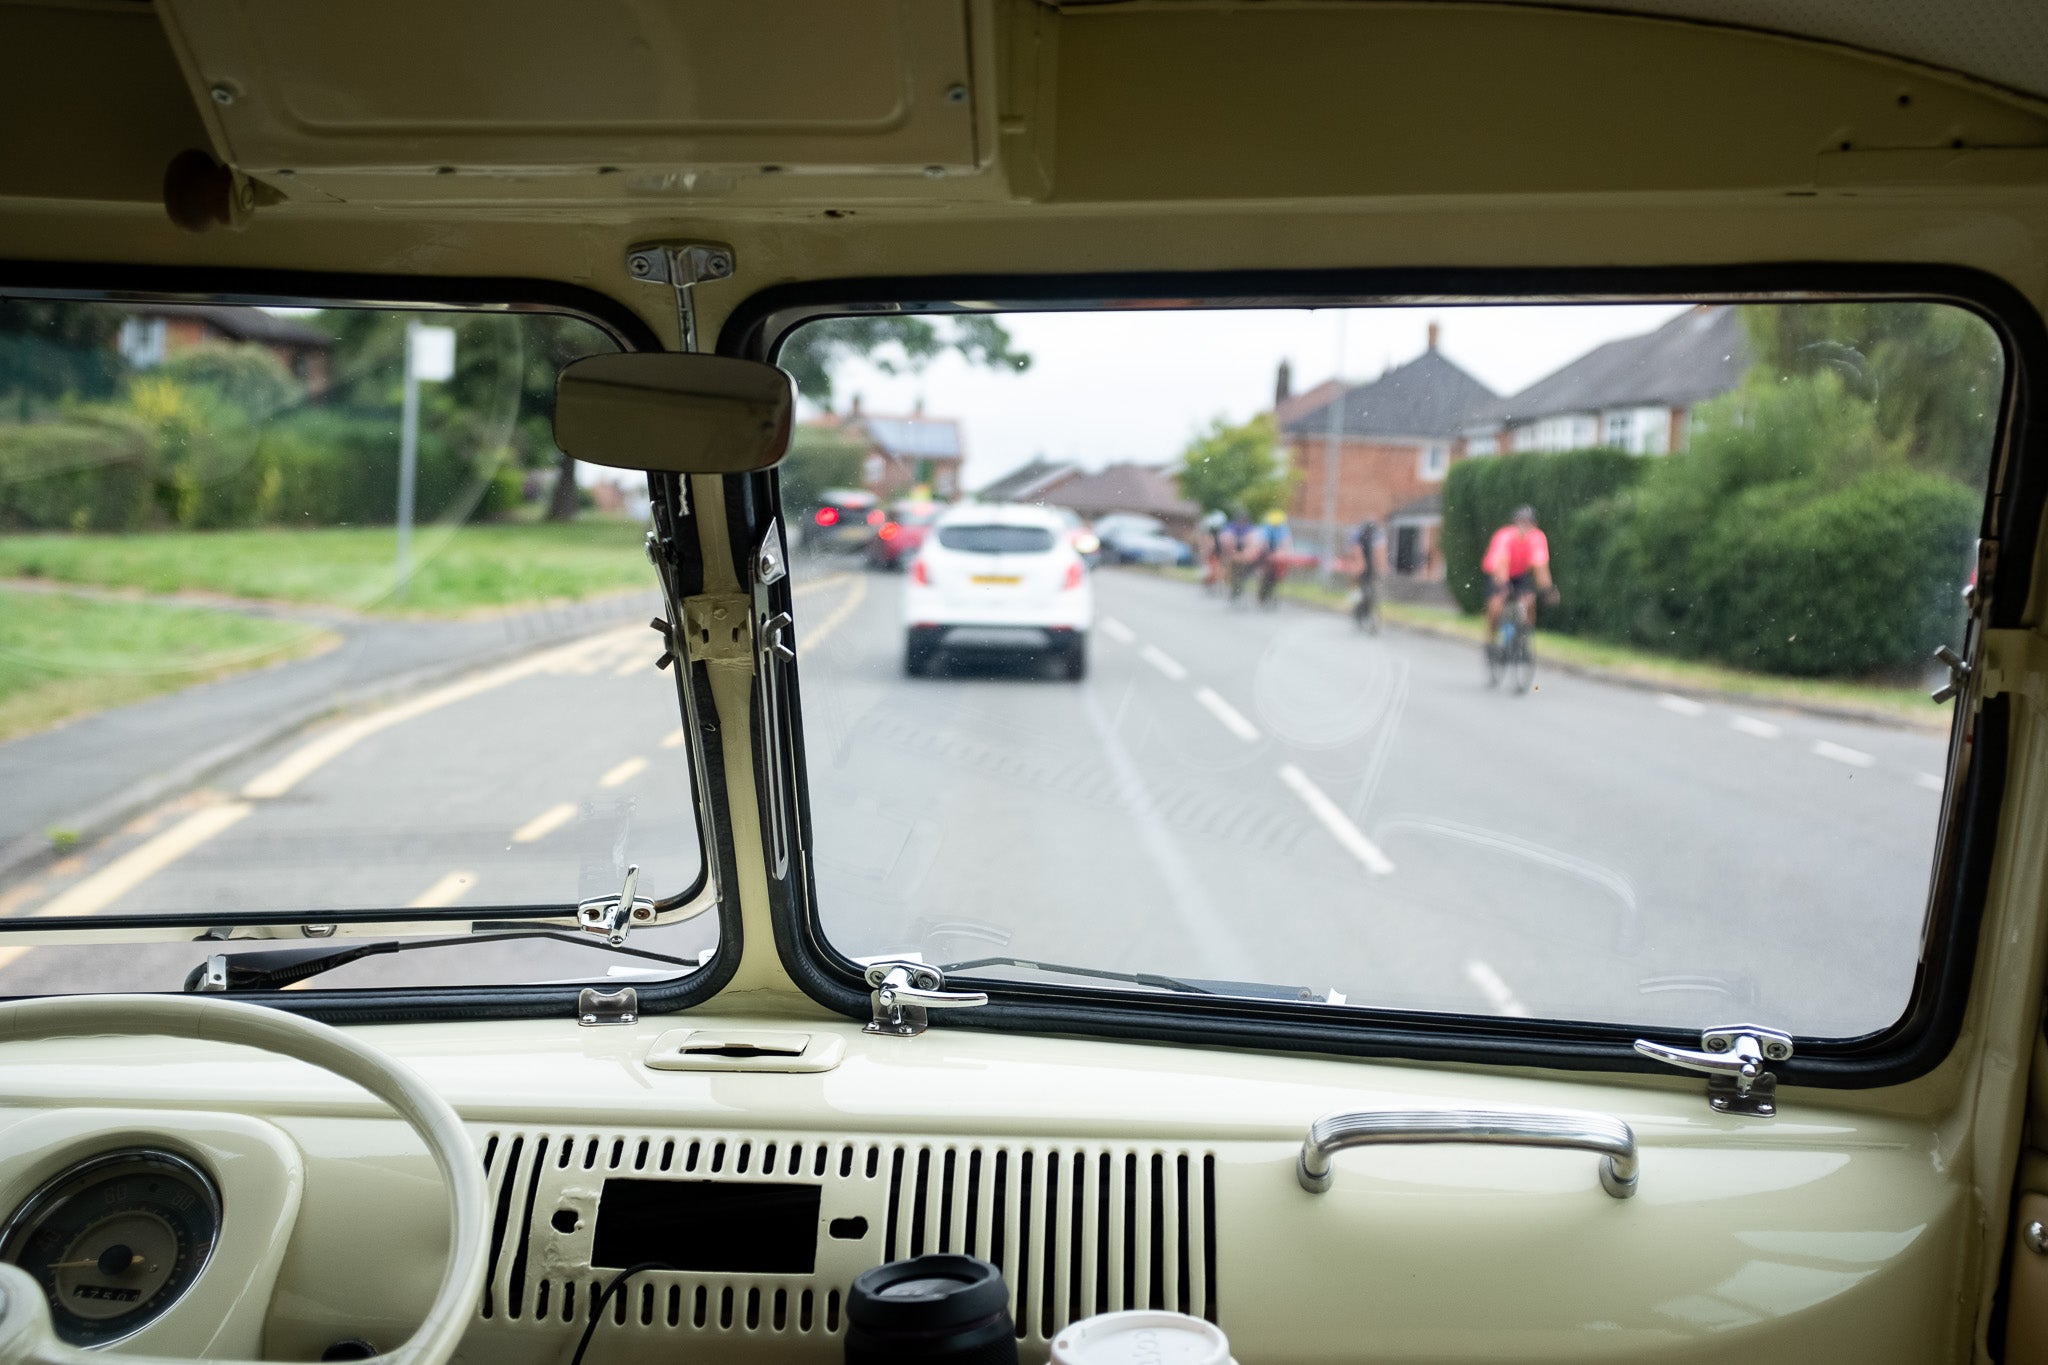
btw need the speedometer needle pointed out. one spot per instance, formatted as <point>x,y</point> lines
<point>95,1264</point>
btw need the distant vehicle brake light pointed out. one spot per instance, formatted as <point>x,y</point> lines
<point>875,517</point>
<point>1074,573</point>
<point>919,575</point>
<point>890,530</point>
<point>828,516</point>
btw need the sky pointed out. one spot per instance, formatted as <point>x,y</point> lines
<point>1108,387</point>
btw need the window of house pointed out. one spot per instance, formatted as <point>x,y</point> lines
<point>142,341</point>
<point>1621,430</point>
<point>1436,459</point>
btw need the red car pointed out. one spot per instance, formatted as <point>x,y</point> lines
<point>902,533</point>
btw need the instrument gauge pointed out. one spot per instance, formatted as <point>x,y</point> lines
<point>115,1241</point>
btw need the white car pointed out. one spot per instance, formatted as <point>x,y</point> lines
<point>1007,573</point>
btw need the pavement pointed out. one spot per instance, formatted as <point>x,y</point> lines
<point>1232,795</point>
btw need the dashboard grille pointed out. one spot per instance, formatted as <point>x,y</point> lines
<point>1077,1228</point>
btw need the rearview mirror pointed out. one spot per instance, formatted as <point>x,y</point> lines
<point>677,412</point>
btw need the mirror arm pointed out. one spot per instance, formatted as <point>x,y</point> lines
<point>682,266</point>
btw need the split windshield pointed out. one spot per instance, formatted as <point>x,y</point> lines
<point>1551,661</point>
<point>302,611</point>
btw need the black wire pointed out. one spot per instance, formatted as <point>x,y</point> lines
<point>604,1297</point>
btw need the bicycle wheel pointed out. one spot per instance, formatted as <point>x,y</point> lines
<point>1496,660</point>
<point>1523,665</point>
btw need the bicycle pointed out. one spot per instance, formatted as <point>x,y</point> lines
<point>1365,608</point>
<point>1509,653</point>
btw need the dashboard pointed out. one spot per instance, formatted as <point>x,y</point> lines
<point>188,1198</point>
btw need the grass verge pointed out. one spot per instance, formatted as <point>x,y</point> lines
<point>62,655</point>
<point>456,570</point>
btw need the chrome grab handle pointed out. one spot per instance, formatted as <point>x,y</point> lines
<point>1614,1140</point>
<point>901,992</point>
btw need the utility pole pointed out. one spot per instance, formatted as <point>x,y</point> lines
<point>429,354</point>
<point>1331,443</point>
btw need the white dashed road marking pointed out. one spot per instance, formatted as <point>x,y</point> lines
<point>1929,781</point>
<point>1482,975</point>
<point>1855,758</point>
<point>1750,725</point>
<point>1117,630</point>
<point>1684,706</point>
<point>1232,720</point>
<point>623,773</point>
<point>1163,661</point>
<point>1336,821</point>
<point>544,824</point>
<point>672,740</point>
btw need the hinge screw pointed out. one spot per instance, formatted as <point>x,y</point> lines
<point>2036,1238</point>
<point>223,94</point>
<point>639,264</point>
<point>956,94</point>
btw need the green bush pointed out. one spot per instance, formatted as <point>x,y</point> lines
<point>92,472</point>
<point>1575,495</point>
<point>338,468</point>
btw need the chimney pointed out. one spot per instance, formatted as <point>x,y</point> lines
<point>1283,384</point>
<point>1434,332</point>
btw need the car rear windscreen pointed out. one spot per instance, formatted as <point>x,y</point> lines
<point>996,540</point>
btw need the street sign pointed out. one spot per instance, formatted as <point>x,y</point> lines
<point>433,353</point>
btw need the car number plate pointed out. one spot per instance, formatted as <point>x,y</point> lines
<point>1002,580</point>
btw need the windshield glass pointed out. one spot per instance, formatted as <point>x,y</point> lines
<point>1556,661</point>
<point>302,611</point>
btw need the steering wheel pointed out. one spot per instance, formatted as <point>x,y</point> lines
<point>26,1336</point>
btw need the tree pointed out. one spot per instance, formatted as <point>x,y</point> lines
<point>1932,372</point>
<point>893,343</point>
<point>51,349</point>
<point>820,458</point>
<point>1236,467</point>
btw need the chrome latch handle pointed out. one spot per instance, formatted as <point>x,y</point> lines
<point>1733,1060</point>
<point>901,992</point>
<point>1612,1139</point>
<point>615,916</point>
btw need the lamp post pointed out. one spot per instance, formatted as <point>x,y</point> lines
<point>429,355</point>
<point>1332,440</point>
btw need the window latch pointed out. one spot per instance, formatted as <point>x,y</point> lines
<point>615,916</point>
<point>901,992</point>
<point>1732,1059</point>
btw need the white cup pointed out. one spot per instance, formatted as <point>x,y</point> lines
<point>1142,1336</point>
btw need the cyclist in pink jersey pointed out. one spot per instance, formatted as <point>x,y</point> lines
<point>1517,561</point>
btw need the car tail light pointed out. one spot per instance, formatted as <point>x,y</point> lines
<point>828,516</point>
<point>890,530</point>
<point>1074,574</point>
<point>875,517</point>
<point>919,574</point>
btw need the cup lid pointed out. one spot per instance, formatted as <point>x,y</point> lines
<point>1141,1336</point>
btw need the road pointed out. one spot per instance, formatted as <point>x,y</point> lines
<point>1231,795</point>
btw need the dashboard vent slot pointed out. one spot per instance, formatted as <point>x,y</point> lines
<point>1075,1230</point>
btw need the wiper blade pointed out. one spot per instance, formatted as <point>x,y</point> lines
<point>1191,985</point>
<point>275,968</point>
<point>1154,981</point>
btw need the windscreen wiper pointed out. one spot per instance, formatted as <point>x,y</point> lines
<point>1191,985</point>
<point>275,968</point>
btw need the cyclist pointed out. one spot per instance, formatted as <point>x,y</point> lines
<point>1517,564</point>
<point>1237,545</point>
<point>1270,547</point>
<point>1213,552</point>
<point>1366,557</point>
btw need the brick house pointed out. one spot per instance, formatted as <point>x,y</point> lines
<point>1395,439</point>
<point>904,452</point>
<point>154,332</point>
<point>1636,394</point>
<point>1146,489</point>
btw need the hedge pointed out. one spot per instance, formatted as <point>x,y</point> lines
<point>76,475</point>
<point>1808,576</point>
<point>1481,495</point>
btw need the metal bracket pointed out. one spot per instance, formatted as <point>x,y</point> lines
<point>2015,663</point>
<point>213,977</point>
<point>1732,1059</point>
<point>615,916</point>
<point>901,992</point>
<point>596,1008</point>
<point>1958,674</point>
<point>716,627</point>
<point>682,266</point>
<point>776,633</point>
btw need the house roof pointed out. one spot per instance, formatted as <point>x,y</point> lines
<point>1028,480</point>
<point>1428,396</point>
<point>916,437</point>
<point>1698,354</point>
<point>243,324</point>
<point>1122,488</point>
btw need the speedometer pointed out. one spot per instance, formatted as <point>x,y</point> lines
<point>115,1241</point>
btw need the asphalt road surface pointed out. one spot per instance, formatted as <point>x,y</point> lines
<point>1231,796</point>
